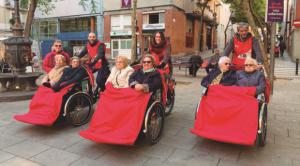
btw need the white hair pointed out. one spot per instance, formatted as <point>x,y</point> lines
<point>223,59</point>
<point>248,59</point>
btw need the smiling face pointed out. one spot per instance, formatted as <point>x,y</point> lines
<point>92,38</point>
<point>147,63</point>
<point>60,61</point>
<point>157,38</point>
<point>120,63</point>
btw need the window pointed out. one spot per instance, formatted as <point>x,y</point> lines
<point>48,29</point>
<point>75,25</point>
<point>121,22</point>
<point>154,18</point>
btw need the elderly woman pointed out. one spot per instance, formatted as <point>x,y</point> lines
<point>147,79</point>
<point>72,74</point>
<point>221,75</point>
<point>55,74</point>
<point>119,76</point>
<point>251,76</point>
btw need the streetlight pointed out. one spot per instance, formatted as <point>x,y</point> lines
<point>202,4</point>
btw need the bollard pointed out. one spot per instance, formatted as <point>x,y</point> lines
<point>297,65</point>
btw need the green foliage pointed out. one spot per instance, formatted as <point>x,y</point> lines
<point>239,15</point>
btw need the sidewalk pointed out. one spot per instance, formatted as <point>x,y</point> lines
<point>285,68</point>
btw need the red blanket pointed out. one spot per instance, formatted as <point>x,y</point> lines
<point>44,107</point>
<point>118,117</point>
<point>228,114</point>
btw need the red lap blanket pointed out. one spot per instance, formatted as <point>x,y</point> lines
<point>118,117</point>
<point>44,107</point>
<point>228,114</point>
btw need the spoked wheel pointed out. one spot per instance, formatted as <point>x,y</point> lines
<point>170,98</point>
<point>262,136</point>
<point>154,123</point>
<point>78,109</point>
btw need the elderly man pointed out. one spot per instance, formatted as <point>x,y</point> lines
<point>221,75</point>
<point>49,61</point>
<point>251,76</point>
<point>195,62</point>
<point>95,52</point>
<point>243,45</point>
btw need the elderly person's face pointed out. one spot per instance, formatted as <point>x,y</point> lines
<point>120,63</point>
<point>92,38</point>
<point>57,46</point>
<point>147,63</point>
<point>250,67</point>
<point>225,65</point>
<point>75,63</point>
<point>157,38</point>
<point>243,31</point>
<point>59,61</point>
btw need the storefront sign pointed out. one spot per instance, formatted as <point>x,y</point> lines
<point>77,50</point>
<point>153,26</point>
<point>120,33</point>
<point>126,3</point>
<point>275,11</point>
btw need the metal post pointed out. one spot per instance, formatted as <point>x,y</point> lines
<point>272,62</point>
<point>297,65</point>
<point>133,29</point>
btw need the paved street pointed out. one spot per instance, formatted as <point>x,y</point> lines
<point>27,145</point>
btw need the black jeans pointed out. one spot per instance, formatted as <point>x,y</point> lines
<point>102,76</point>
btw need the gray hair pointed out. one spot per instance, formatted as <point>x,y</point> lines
<point>124,59</point>
<point>248,59</point>
<point>242,25</point>
<point>223,59</point>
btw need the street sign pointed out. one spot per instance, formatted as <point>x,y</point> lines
<point>275,11</point>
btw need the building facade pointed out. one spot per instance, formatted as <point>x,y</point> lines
<point>293,29</point>
<point>176,18</point>
<point>6,17</point>
<point>69,22</point>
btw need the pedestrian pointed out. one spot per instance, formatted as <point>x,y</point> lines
<point>195,63</point>
<point>49,60</point>
<point>94,53</point>
<point>243,45</point>
<point>213,61</point>
<point>282,46</point>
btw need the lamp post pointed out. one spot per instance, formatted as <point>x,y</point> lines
<point>201,5</point>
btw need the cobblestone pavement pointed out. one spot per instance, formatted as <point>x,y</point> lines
<point>27,145</point>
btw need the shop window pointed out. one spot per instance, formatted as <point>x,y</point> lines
<point>75,25</point>
<point>154,18</point>
<point>48,29</point>
<point>120,22</point>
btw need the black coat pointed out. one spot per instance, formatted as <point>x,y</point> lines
<point>229,77</point>
<point>152,79</point>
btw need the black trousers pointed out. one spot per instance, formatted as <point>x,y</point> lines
<point>102,76</point>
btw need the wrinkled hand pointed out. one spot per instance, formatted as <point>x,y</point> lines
<point>139,87</point>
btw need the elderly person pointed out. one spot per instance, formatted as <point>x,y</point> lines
<point>196,62</point>
<point>72,74</point>
<point>119,76</point>
<point>251,76</point>
<point>221,75</point>
<point>147,79</point>
<point>55,74</point>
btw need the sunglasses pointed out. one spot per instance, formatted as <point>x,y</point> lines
<point>227,64</point>
<point>249,65</point>
<point>147,62</point>
<point>57,45</point>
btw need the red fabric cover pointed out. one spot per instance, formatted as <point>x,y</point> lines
<point>241,48</point>
<point>44,107</point>
<point>93,51</point>
<point>118,117</point>
<point>228,114</point>
<point>49,61</point>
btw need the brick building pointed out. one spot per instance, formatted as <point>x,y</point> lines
<point>176,19</point>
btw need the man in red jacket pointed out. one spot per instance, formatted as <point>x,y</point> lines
<point>49,61</point>
<point>95,50</point>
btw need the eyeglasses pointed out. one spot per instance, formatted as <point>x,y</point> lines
<point>147,62</point>
<point>249,65</point>
<point>227,64</point>
<point>57,45</point>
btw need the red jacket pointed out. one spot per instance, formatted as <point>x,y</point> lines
<point>49,61</point>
